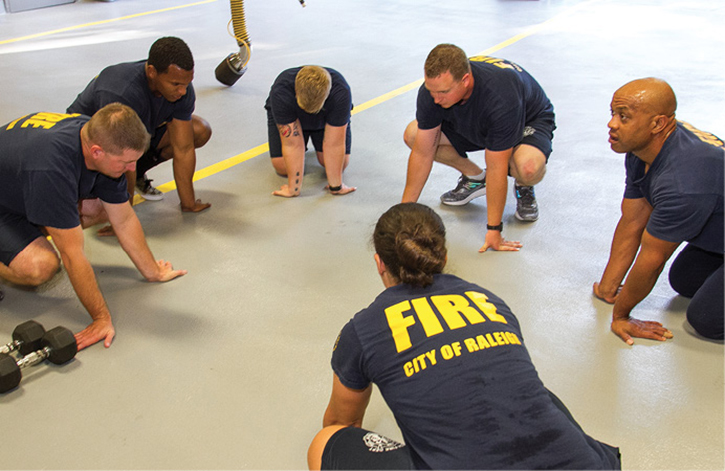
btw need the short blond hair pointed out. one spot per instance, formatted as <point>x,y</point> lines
<point>447,58</point>
<point>312,87</point>
<point>117,127</point>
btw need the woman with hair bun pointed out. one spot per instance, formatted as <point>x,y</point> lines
<point>449,359</point>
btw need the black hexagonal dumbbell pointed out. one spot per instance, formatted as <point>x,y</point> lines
<point>26,338</point>
<point>58,346</point>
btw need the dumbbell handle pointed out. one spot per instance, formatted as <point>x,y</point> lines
<point>10,347</point>
<point>34,358</point>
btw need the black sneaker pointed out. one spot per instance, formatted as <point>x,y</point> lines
<point>526,207</point>
<point>466,190</point>
<point>145,189</point>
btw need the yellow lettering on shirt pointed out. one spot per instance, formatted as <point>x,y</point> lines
<point>419,364</point>
<point>43,120</point>
<point>512,338</point>
<point>399,325</point>
<point>500,63</point>
<point>456,349</point>
<point>427,317</point>
<point>704,136</point>
<point>481,300</point>
<point>452,307</point>
<point>471,345</point>
<point>482,342</point>
<point>500,339</point>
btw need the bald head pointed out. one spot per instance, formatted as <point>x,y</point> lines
<point>649,95</point>
<point>643,116</point>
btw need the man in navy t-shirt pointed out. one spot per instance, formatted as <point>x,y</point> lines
<point>309,102</point>
<point>674,193</point>
<point>60,173</point>
<point>476,104</point>
<point>159,89</point>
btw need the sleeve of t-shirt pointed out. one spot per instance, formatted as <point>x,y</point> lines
<point>185,107</point>
<point>428,114</point>
<point>284,105</point>
<point>342,100</point>
<point>111,190</point>
<point>680,218</point>
<point>506,115</point>
<point>51,200</point>
<point>347,359</point>
<point>631,191</point>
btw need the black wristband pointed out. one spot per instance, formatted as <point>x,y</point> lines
<point>495,228</point>
<point>334,188</point>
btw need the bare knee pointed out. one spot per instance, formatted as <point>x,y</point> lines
<point>202,131</point>
<point>92,212</point>
<point>279,166</point>
<point>528,165</point>
<point>35,267</point>
<point>530,174</point>
<point>410,133</point>
<point>317,447</point>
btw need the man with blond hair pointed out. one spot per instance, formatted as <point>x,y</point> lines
<point>673,194</point>
<point>61,173</point>
<point>481,103</point>
<point>304,103</point>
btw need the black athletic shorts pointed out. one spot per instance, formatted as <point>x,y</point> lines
<point>151,158</point>
<point>538,133</point>
<point>356,448</point>
<point>275,143</point>
<point>16,233</point>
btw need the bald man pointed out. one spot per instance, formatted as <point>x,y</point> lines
<point>673,194</point>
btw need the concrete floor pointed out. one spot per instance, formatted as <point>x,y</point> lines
<point>228,367</point>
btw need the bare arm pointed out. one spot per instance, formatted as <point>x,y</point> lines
<point>420,162</point>
<point>293,152</point>
<point>625,244</point>
<point>130,234</point>
<point>347,406</point>
<point>640,281</point>
<point>497,169</point>
<point>181,138</point>
<point>333,148</point>
<point>80,272</point>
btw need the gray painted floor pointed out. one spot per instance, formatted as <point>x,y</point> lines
<point>228,367</point>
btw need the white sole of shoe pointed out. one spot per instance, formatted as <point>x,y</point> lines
<point>151,197</point>
<point>518,216</point>
<point>468,199</point>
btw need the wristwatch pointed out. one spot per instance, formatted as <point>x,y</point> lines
<point>495,228</point>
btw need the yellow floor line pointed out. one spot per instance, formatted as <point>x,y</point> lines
<point>96,23</point>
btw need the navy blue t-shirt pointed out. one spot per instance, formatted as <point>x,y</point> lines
<point>285,110</point>
<point>450,363</point>
<point>504,100</point>
<point>43,174</point>
<point>126,83</point>
<point>684,186</point>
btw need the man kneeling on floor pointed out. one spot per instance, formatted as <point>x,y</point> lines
<point>61,173</point>
<point>673,194</point>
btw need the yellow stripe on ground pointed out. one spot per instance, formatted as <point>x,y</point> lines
<point>96,23</point>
